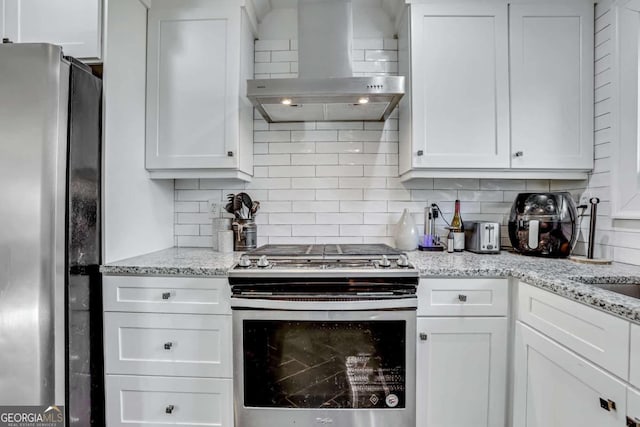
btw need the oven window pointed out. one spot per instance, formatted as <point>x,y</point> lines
<point>326,364</point>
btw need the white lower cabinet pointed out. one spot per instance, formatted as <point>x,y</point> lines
<point>634,368</point>
<point>554,387</point>
<point>159,401</point>
<point>461,371</point>
<point>168,351</point>
<point>633,407</point>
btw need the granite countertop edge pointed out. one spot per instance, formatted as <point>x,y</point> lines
<point>556,276</point>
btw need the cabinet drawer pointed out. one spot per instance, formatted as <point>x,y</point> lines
<point>634,374</point>
<point>167,294</point>
<point>633,407</point>
<point>158,401</point>
<point>167,344</point>
<point>463,297</point>
<point>600,337</point>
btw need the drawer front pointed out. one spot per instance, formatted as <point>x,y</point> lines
<point>463,297</point>
<point>167,294</point>
<point>634,374</point>
<point>593,334</point>
<point>633,407</point>
<point>168,344</point>
<point>159,401</point>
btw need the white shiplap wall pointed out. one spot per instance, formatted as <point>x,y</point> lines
<point>621,244</point>
<point>334,182</point>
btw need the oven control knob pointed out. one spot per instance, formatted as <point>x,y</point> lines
<point>244,261</point>
<point>263,262</point>
<point>384,262</point>
<point>403,261</point>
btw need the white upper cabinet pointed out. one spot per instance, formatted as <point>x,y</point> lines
<point>552,86</point>
<point>497,90</point>
<point>76,25</point>
<point>460,86</point>
<point>199,123</point>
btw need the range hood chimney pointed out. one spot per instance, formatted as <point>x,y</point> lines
<point>325,89</point>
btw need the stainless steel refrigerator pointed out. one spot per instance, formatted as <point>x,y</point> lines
<point>50,286</point>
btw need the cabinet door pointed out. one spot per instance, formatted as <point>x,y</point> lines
<point>460,86</point>
<point>554,387</point>
<point>461,372</point>
<point>73,24</point>
<point>192,88</point>
<point>552,86</point>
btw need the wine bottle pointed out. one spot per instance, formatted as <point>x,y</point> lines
<point>457,227</point>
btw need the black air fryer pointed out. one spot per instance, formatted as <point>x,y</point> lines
<point>543,224</point>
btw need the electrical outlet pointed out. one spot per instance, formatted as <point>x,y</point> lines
<point>214,207</point>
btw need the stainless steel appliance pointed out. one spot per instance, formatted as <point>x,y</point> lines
<point>324,335</point>
<point>543,224</point>
<point>50,306</point>
<point>482,237</point>
<point>326,88</point>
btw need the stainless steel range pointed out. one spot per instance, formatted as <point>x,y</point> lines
<point>324,335</point>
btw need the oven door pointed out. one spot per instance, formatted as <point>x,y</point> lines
<point>319,367</point>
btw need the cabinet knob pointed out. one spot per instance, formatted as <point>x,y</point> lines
<point>169,409</point>
<point>168,345</point>
<point>229,153</point>
<point>518,154</point>
<point>423,336</point>
<point>166,295</point>
<point>420,153</point>
<point>633,422</point>
<point>462,298</point>
<point>607,405</point>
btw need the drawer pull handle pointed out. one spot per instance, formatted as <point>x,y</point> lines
<point>633,422</point>
<point>607,405</point>
<point>168,345</point>
<point>169,409</point>
<point>462,298</point>
<point>423,336</point>
<point>166,295</point>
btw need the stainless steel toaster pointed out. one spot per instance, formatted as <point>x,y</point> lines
<point>482,237</point>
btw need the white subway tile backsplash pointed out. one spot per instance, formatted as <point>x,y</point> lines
<point>326,182</point>
<point>314,135</point>
<point>342,170</point>
<point>272,67</point>
<point>339,218</point>
<point>264,56</point>
<point>315,230</point>
<point>292,171</point>
<point>271,159</point>
<point>315,206</point>
<point>272,136</point>
<point>314,159</point>
<point>295,147</point>
<point>339,147</point>
<point>342,194</point>
<point>291,194</point>
<point>292,218</point>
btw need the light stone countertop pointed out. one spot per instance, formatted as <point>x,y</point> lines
<point>555,275</point>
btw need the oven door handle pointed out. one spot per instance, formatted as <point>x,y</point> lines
<point>294,304</point>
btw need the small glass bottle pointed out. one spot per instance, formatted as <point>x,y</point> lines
<point>450,242</point>
<point>458,229</point>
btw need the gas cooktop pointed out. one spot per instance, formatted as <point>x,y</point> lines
<point>329,251</point>
<point>323,261</point>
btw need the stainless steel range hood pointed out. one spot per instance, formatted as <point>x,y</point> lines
<point>325,89</point>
